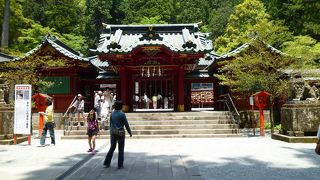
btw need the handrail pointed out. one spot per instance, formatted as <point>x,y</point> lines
<point>67,122</point>
<point>231,107</point>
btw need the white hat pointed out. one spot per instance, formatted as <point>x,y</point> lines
<point>79,95</point>
<point>99,92</point>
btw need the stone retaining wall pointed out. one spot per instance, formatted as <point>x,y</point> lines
<point>300,116</point>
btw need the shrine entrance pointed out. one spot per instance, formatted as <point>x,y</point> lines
<point>155,94</point>
<point>152,61</point>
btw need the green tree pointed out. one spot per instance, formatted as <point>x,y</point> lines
<point>250,21</point>
<point>32,36</point>
<point>5,25</point>
<point>151,20</point>
<point>220,11</point>
<point>136,10</point>
<point>192,11</point>
<point>255,69</point>
<point>305,49</point>
<point>302,17</point>
<point>63,15</point>
<point>116,13</point>
<point>25,71</point>
<point>97,12</point>
<point>35,9</point>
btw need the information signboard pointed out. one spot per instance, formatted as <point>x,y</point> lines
<point>22,109</point>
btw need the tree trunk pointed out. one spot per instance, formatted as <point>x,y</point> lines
<point>5,26</point>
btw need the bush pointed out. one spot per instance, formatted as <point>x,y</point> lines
<point>267,125</point>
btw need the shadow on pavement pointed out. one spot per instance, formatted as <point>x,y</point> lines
<point>146,166</point>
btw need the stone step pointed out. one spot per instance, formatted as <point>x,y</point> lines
<point>167,122</point>
<point>197,113</point>
<point>177,118</point>
<point>170,124</point>
<point>192,126</point>
<point>168,118</point>
<point>173,122</point>
<point>179,126</point>
<point>158,136</point>
<point>166,131</point>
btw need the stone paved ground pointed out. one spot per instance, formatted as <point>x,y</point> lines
<point>180,159</point>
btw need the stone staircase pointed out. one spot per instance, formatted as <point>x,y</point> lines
<point>171,125</point>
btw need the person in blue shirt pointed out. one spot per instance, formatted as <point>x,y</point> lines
<point>118,121</point>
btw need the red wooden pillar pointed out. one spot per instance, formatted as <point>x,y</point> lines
<point>180,106</point>
<point>123,84</point>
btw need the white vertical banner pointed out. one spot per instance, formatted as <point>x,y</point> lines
<point>22,109</point>
<point>136,87</point>
<point>251,101</point>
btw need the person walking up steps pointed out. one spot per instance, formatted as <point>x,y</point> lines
<point>92,130</point>
<point>78,106</point>
<point>117,122</point>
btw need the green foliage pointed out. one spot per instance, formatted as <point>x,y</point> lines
<point>136,10</point>
<point>305,49</point>
<point>278,127</point>
<point>250,21</point>
<point>96,13</point>
<point>152,20</point>
<point>77,43</point>
<point>30,37</point>
<point>302,17</point>
<point>63,15</point>
<point>192,11</point>
<point>26,70</point>
<point>256,69</point>
<point>78,23</point>
<point>218,17</point>
<point>267,125</point>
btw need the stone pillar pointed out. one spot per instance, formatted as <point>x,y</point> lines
<point>3,90</point>
<point>6,121</point>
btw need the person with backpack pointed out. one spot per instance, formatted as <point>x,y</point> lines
<point>92,130</point>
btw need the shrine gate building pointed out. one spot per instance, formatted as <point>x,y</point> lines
<point>137,63</point>
<point>153,60</point>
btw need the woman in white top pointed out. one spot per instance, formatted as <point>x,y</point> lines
<point>108,98</point>
<point>78,106</point>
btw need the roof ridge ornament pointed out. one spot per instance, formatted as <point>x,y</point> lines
<point>150,35</point>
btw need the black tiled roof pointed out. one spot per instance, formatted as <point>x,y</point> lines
<point>243,47</point>
<point>59,46</point>
<point>5,57</point>
<point>96,62</point>
<point>176,37</point>
<point>198,74</point>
